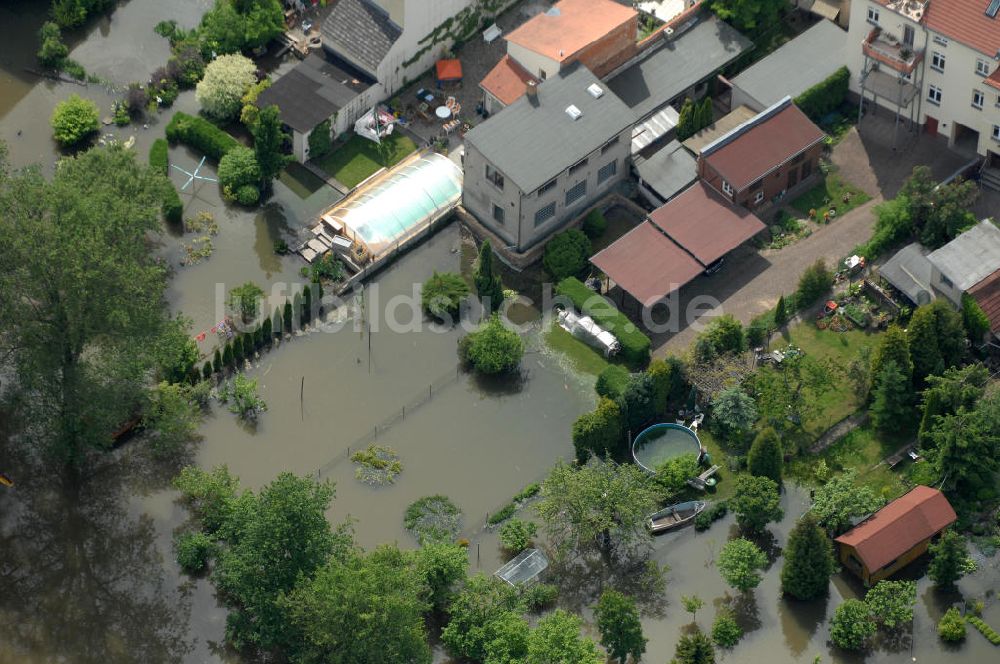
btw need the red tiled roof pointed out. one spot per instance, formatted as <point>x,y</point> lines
<point>703,222</point>
<point>756,148</point>
<point>899,526</point>
<point>570,26</point>
<point>647,264</point>
<point>507,81</point>
<point>965,21</point>
<point>987,294</point>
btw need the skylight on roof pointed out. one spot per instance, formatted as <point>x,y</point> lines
<point>573,112</point>
<point>994,7</point>
<point>597,91</point>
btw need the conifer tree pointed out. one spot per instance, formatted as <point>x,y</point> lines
<point>286,319</point>
<point>809,560</point>
<point>306,313</point>
<point>238,353</point>
<point>267,333</point>
<point>488,285</point>
<point>278,323</point>
<point>780,312</point>
<point>685,121</point>
<point>217,361</point>
<point>891,407</point>
<point>227,354</point>
<point>206,371</point>
<point>765,457</point>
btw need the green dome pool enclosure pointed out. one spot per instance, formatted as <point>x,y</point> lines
<point>662,442</point>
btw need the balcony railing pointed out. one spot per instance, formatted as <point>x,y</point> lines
<point>891,52</point>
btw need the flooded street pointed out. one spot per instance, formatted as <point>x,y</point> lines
<point>87,570</point>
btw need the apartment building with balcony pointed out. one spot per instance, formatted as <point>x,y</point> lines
<point>933,63</point>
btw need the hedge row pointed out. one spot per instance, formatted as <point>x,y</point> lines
<point>510,508</point>
<point>984,629</point>
<point>635,344</point>
<point>158,156</point>
<point>826,96</point>
<point>173,208</point>
<point>200,134</point>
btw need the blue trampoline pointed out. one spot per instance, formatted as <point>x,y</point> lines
<point>662,442</point>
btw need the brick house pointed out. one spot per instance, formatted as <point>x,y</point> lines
<point>761,160</point>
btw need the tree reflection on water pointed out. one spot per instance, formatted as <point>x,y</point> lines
<point>81,578</point>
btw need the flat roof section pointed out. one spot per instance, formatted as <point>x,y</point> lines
<point>668,171</point>
<point>909,271</point>
<point>719,128</point>
<point>570,26</point>
<point>704,224</point>
<point>970,257</point>
<point>646,264</point>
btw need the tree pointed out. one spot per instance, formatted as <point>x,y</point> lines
<point>637,401</point>
<point>756,502</point>
<point>936,339</point>
<point>673,474</point>
<point>852,625</point>
<point>809,560</point>
<point>226,79</point>
<point>52,51</point>
<point>733,415</point>
<point>277,322</point>
<point>385,587</point>
<point>492,349</point>
<point>566,254</point>
<point>891,408</point>
<point>82,296</point>
<point>506,637</point>
<point>598,503</point>
<point>740,562</point>
<point>264,20</point>
<point>964,447</point>
<point>780,312</point>
<point>974,320</point>
<point>241,395</point>
<point>668,382</point>
<point>516,534</point>
<point>442,295</point>
<point>705,113</point>
<point>286,319</point>
<point>217,361</point>
<point>267,142</point>
<point>557,639</point>
<point>841,500</point>
<point>618,622</point>
<point>246,299</point>
<point>726,632</point>
<point>938,212</point>
<point>222,29</point>
<point>765,458</point>
<point>686,120</point>
<point>726,334</point>
<point>227,355</point>
<point>694,648</point>
<point>599,432</point>
<point>479,605</point>
<point>272,539</point>
<point>441,565</point>
<point>895,347</point>
<point>171,418</point>
<point>238,168</point>
<point>267,332</point>
<point>891,602</point>
<point>305,314</point>
<point>951,628</point>
<point>488,285</point>
<point>692,603</point>
<point>949,558</point>
<point>74,120</point>
<point>815,282</point>
<point>754,16</point>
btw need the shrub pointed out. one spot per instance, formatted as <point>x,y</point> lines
<point>502,514</point>
<point>815,282</point>
<point>598,432</point>
<point>673,474</point>
<point>237,168</point>
<point>158,158</point>
<point>566,254</point>
<point>492,349</point>
<point>173,207</point>
<point>594,224</point>
<point>52,52</point>
<point>442,295</point>
<point>726,334</point>
<point>248,195</point>
<point>186,65</point>
<point>951,628</point>
<point>433,518</point>
<point>75,120</point>
<point>637,401</point>
<point>710,515</point>
<point>527,492</point>
<point>974,319</point>
<point>540,596</point>
<point>516,535</point>
<point>984,629</point>
<point>765,457</point>
<point>200,134</point>
<point>826,96</point>
<point>852,625</point>
<point>611,381</point>
<point>733,415</point>
<point>226,80</point>
<point>319,140</point>
<point>635,344</point>
<point>725,631</point>
<point>193,551</point>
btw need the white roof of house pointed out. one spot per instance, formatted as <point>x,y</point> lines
<point>971,257</point>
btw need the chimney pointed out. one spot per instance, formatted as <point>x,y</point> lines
<point>531,91</point>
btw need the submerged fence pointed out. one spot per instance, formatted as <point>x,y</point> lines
<point>424,396</point>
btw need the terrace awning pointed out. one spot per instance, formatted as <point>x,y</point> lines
<point>448,70</point>
<point>647,264</point>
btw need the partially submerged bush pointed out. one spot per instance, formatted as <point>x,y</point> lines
<point>516,535</point>
<point>492,349</point>
<point>433,518</point>
<point>193,551</point>
<point>377,465</point>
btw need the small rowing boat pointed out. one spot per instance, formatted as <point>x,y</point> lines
<point>675,516</point>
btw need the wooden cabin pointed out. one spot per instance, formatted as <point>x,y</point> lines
<point>897,534</point>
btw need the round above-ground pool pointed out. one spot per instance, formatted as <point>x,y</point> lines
<point>662,442</point>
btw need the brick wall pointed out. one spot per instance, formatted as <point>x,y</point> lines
<point>611,51</point>
<point>788,175</point>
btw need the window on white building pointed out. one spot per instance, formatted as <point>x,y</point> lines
<point>977,99</point>
<point>607,170</point>
<point>938,39</point>
<point>937,61</point>
<point>873,15</point>
<point>576,192</point>
<point>494,176</point>
<point>982,67</point>
<point>728,188</point>
<point>498,214</point>
<point>996,132</point>
<point>934,94</point>
<point>544,214</point>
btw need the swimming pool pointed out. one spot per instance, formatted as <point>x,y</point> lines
<point>662,442</point>
<point>401,202</point>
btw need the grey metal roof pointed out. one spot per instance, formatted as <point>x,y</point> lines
<point>698,48</point>
<point>313,91</point>
<point>532,141</point>
<point>668,171</point>
<point>646,133</point>
<point>523,568</point>
<point>798,65</point>
<point>971,257</point>
<point>360,32</point>
<point>909,271</point>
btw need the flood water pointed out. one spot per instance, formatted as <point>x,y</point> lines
<point>86,563</point>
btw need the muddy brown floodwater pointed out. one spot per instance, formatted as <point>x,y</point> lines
<point>86,563</point>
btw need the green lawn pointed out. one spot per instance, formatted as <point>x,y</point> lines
<point>829,193</point>
<point>352,162</point>
<point>583,358</point>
